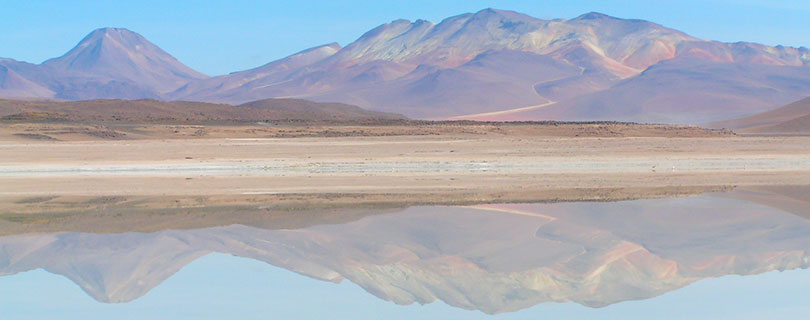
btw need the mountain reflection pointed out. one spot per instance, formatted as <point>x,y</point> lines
<point>493,258</point>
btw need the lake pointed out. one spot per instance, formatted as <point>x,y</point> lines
<point>733,254</point>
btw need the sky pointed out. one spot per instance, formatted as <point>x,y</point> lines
<point>219,37</point>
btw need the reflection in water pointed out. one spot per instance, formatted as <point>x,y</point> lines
<point>493,258</point>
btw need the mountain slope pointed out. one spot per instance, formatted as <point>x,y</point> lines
<point>14,85</point>
<point>689,90</point>
<point>20,80</point>
<point>490,81</point>
<point>294,109</point>
<point>792,118</point>
<point>251,84</point>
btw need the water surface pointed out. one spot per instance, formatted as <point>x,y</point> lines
<point>740,254</point>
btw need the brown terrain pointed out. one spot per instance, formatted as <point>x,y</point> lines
<point>13,129</point>
<point>179,111</point>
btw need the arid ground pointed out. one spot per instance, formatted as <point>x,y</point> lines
<point>412,159</point>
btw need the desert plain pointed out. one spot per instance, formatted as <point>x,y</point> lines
<point>408,160</point>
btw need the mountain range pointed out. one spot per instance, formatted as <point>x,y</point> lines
<point>488,65</point>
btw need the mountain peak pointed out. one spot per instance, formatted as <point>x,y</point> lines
<point>502,14</point>
<point>595,16</point>
<point>105,45</point>
<point>106,30</point>
<point>487,11</point>
<point>118,55</point>
<point>493,11</point>
<point>122,35</point>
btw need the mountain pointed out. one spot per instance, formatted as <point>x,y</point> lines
<point>489,65</point>
<point>239,87</point>
<point>107,63</point>
<point>154,110</point>
<point>503,65</point>
<point>689,90</point>
<point>15,82</point>
<point>459,39</point>
<point>492,78</point>
<point>471,63</point>
<point>493,258</point>
<point>793,118</point>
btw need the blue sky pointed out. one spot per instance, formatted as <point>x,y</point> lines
<point>225,36</point>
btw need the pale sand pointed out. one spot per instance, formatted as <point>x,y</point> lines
<point>445,164</point>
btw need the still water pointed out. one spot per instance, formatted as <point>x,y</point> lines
<point>734,255</point>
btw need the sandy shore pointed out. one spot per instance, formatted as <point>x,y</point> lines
<point>444,164</point>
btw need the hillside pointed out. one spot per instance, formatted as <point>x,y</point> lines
<point>153,110</point>
<point>308,110</point>
<point>793,118</point>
